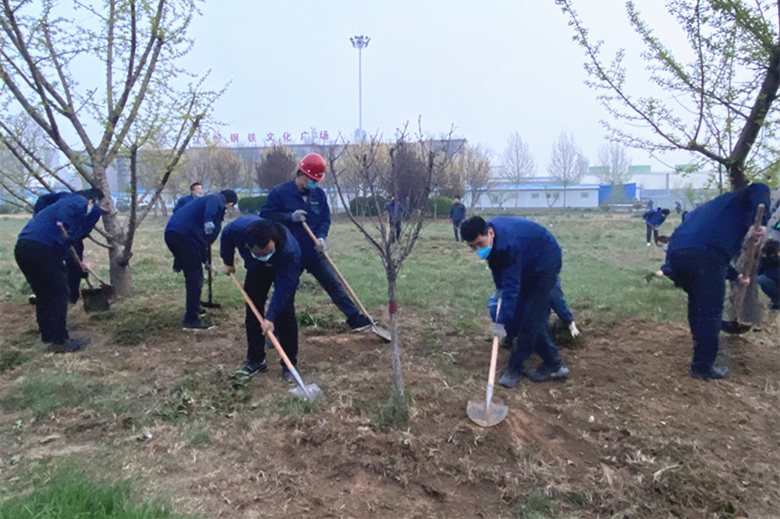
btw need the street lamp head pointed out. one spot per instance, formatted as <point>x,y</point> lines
<point>360,42</point>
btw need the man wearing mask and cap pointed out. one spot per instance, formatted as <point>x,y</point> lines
<point>271,257</point>
<point>302,200</point>
<point>525,261</point>
<point>189,235</point>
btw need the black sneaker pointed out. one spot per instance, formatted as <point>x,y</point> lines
<point>253,368</point>
<point>69,346</point>
<point>510,378</point>
<point>544,373</point>
<point>287,376</point>
<point>32,300</point>
<point>197,324</point>
<point>359,323</point>
<point>716,372</point>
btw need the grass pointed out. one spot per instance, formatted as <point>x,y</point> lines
<point>69,495</point>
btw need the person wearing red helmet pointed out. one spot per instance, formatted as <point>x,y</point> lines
<point>302,200</point>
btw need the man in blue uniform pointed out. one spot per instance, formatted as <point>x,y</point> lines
<point>302,200</point>
<point>196,191</point>
<point>271,257</point>
<point>700,251</point>
<point>653,220</point>
<point>41,250</point>
<point>189,235</point>
<point>457,215</point>
<point>395,216</point>
<point>72,264</point>
<point>525,261</point>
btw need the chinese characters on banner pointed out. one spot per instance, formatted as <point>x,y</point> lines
<point>270,138</point>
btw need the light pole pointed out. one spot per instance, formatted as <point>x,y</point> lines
<point>360,42</point>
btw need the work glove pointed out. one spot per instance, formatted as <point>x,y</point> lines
<point>320,247</point>
<point>299,215</point>
<point>208,228</point>
<point>498,330</point>
<point>573,329</point>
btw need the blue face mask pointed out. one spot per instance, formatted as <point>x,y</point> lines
<point>484,252</point>
<point>263,258</point>
<point>664,248</point>
<point>312,185</point>
<point>198,195</point>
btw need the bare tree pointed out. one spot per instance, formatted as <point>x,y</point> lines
<point>383,178</point>
<point>519,164</point>
<point>276,166</point>
<point>720,104</point>
<point>567,163</point>
<point>473,164</point>
<point>615,164</point>
<point>137,43</point>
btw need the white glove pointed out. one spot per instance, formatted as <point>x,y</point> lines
<point>573,329</point>
<point>498,330</point>
<point>299,215</point>
<point>208,228</point>
<point>320,247</point>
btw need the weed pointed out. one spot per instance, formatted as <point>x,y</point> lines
<point>73,494</point>
<point>218,392</point>
<point>535,505</point>
<point>135,323</point>
<point>395,413</point>
<point>10,359</point>
<point>295,407</point>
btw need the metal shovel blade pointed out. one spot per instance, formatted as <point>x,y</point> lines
<point>381,332</point>
<point>485,416</point>
<point>310,392</point>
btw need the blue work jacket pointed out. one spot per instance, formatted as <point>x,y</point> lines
<point>654,218</point>
<point>181,202</point>
<point>71,212</point>
<point>189,220</point>
<point>521,249</point>
<point>458,212</point>
<point>286,263</point>
<point>721,224</point>
<point>286,198</point>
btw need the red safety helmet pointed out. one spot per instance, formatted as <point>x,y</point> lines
<point>313,166</point>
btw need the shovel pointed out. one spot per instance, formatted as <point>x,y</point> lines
<point>381,332</point>
<point>209,303</point>
<point>486,413</point>
<point>95,299</point>
<point>307,392</point>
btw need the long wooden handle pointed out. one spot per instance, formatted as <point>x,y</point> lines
<point>750,261</point>
<point>260,319</point>
<point>338,273</point>
<point>493,361</point>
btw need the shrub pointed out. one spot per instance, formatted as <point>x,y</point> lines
<point>442,206</point>
<point>251,204</point>
<point>365,206</point>
<point>9,209</point>
<point>605,207</point>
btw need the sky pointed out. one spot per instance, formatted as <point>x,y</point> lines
<point>488,68</point>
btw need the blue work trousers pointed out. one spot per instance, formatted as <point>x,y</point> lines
<point>531,325</point>
<point>702,274</point>
<point>259,277</point>
<point>772,289</point>
<point>187,257</point>
<point>44,268</point>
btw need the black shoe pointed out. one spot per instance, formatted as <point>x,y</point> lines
<point>253,368</point>
<point>359,323</point>
<point>544,373</point>
<point>287,376</point>
<point>716,372</point>
<point>68,346</point>
<point>510,378</point>
<point>32,300</point>
<point>197,324</point>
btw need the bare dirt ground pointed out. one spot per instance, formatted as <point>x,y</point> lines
<point>629,434</point>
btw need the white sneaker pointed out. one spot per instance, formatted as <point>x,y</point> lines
<point>648,244</point>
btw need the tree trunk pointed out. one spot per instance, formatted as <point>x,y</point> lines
<point>121,277</point>
<point>398,376</point>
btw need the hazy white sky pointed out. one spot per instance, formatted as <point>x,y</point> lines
<point>489,68</point>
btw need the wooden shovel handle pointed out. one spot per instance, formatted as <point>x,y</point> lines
<point>338,273</point>
<point>750,262</point>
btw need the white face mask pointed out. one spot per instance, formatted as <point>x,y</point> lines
<point>263,258</point>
